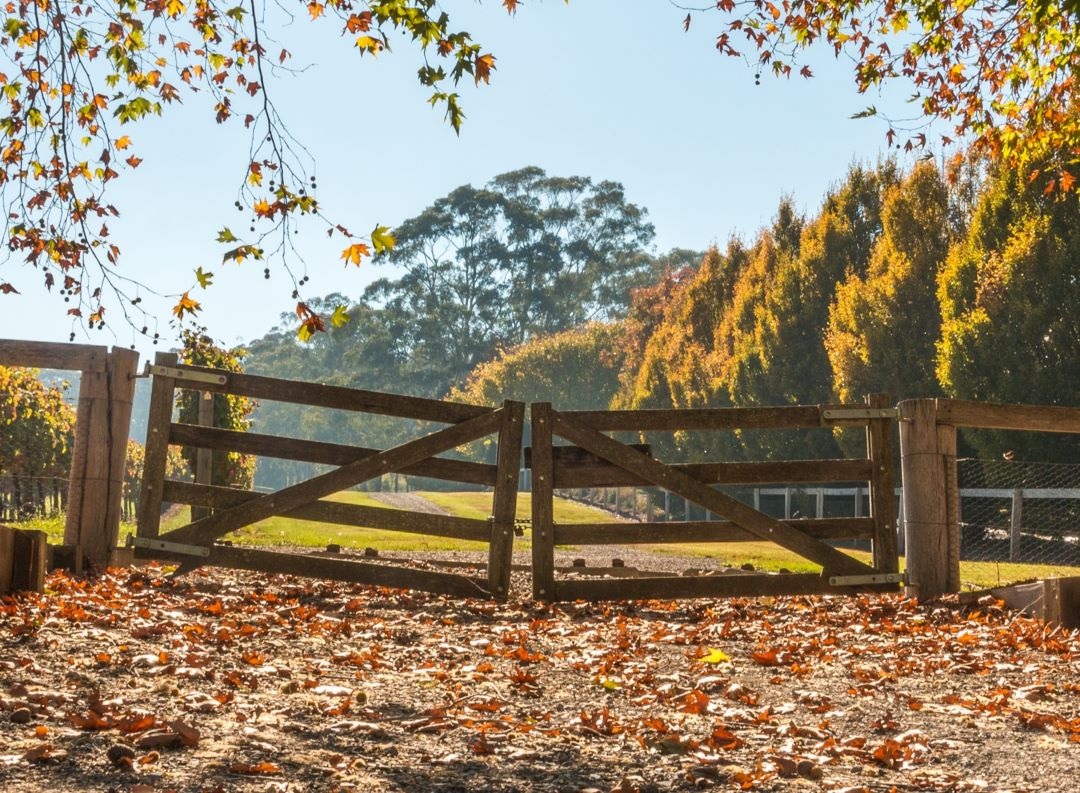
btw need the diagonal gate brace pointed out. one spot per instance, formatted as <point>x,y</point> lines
<point>204,531</point>
<point>832,561</point>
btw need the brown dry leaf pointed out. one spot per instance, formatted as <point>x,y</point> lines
<point>264,768</point>
<point>188,734</point>
<point>157,739</point>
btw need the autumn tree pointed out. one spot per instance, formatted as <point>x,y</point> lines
<point>231,412</point>
<point>1009,297</point>
<point>883,325</point>
<point>37,430</point>
<point>79,77</point>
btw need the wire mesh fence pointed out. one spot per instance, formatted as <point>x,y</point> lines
<point>1022,512</point>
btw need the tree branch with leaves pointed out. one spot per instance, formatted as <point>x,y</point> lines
<point>76,76</point>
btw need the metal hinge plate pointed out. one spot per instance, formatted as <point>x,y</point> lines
<point>860,413</point>
<point>168,547</point>
<point>863,580</point>
<point>184,374</point>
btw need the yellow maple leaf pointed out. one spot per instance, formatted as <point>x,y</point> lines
<point>123,142</point>
<point>175,8</point>
<point>315,9</point>
<point>484,66</point>
<point>263,209</point>
<point>355,252</point>
<point>186,306</point>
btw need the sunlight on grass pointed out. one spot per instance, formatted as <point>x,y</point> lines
<point>281,531</point>
<point>772,558</point>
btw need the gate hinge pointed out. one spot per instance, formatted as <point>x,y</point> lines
<point>183,374</point>
<point>864,580</point>
<point>860,413</point>
<point>168,547</point>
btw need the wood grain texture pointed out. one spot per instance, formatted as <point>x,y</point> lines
<point>712,586</point>
<point>156,452</point>
<point>701,531</point>
<point>339,397</point>
<point>337,513</point>
<point>742,473</point>
<point>543,536</point>
<point>879,448</point>
<point>53,355</point>
<point>504,500</point>
<point>333,569</point>
<point>289,498</point>
<point>322,453</point>
<point>660,475</point>
<point>988,415</point>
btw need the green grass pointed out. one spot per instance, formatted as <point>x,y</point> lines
<point>282,531</point>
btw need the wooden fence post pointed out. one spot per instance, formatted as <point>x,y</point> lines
<point>543,525</point>
<point>157,447</point>
<point>946,434</point>
<point>879,448</point>
<point>204,458</point>
<point>95,494</point>
<point>504,500</point>
<point>926,513</point>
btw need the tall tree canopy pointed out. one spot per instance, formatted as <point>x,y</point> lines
<point>1009,295</point>
<point>527,254</point>
<point>883,324</point>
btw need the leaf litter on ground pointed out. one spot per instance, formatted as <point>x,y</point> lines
<point>235,681</point>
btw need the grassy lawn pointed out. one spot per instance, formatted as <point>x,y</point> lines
<point>476,505</point>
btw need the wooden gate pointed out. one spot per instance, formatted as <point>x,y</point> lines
<point>596,458</point>
<point>193,545</point>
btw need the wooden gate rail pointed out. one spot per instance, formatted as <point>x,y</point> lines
<point>599,459</point>
<point>234,508</point>
<point>931,492</point>
<point>96,480</point>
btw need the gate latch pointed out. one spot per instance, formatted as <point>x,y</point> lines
<point>168,547</point>
<point>863,580</point>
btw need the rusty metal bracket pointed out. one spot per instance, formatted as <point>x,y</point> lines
<point>865,580</point>
<point>842,414</point>
<point>152,544</point>
<point>182,374</point>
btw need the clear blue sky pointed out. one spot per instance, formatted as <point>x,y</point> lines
<point>600,88</point>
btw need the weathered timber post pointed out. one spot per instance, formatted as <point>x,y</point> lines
<point>157,447</point>
<point>946,434</point>
<point>931,568</point>
<point>95,495</point>
<point>204,457</point>
<point>879,448</point>
<point>504,500</point>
